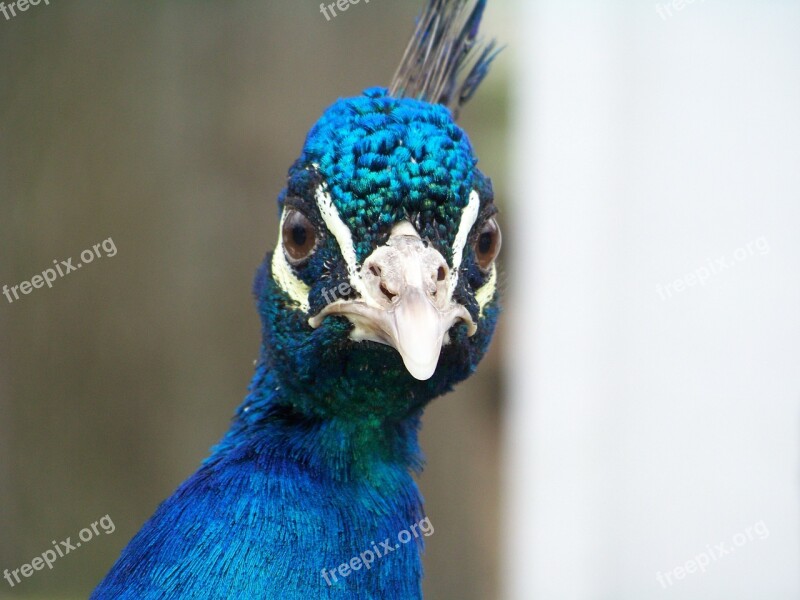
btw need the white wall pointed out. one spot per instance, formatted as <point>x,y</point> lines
<point>649,425</point>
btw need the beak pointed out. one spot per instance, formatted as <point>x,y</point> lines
<point>405,303</point>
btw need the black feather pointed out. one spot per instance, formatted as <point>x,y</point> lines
<point>444,45</point>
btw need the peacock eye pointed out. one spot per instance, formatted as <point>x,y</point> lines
<point>299,237</point>
<point>487,246</point>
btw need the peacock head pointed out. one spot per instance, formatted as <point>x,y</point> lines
<point>382,291</point>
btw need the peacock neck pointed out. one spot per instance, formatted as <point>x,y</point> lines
<point>346,447</point>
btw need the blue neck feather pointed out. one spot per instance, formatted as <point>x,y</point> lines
<point>283,501</point>
<point>345,447</point>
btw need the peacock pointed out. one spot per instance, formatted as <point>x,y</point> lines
<point>380,295</point>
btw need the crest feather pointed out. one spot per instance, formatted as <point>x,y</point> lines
<point>445,62</point>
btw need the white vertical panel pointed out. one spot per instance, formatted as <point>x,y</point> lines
<point>651,421</point>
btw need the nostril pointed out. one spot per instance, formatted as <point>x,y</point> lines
<point>441,274</point>
<point>375,270</point>
<point>386,292</point>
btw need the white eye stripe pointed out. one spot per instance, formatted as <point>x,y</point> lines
<point>284,276</point>
<point>486,292</point>
<point>468,218</point>
<point>343,236</point>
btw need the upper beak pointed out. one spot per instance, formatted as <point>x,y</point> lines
<point>417,329</point>
<point>405,303</point>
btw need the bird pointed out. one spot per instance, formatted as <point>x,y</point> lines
<point>380,295</point>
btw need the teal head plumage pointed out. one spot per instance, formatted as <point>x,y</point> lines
<point>373,166</point>
<point>380,295</point>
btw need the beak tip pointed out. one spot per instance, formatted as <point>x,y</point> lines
<point>421,372</point>
<point>420,360</point>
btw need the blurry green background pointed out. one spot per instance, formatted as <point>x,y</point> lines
<point>170,128</point>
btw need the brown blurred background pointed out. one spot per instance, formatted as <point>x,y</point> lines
<point>170,128</point>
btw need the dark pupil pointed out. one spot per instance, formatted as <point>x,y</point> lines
<point>299,235</point>
<point>485,243</point>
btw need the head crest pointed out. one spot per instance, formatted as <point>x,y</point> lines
<point>445,62</point>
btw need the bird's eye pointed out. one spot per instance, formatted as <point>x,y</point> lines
<point>487,246</point>
<point>299,237</point>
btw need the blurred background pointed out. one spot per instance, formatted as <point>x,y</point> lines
<point>640,407</point>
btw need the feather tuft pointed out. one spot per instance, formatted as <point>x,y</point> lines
<point>445,61</point>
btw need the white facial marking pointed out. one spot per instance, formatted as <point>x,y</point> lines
<point>468,218</point>
<point>283,275</point>
<point>344,238</point>
<point>485,293</point>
